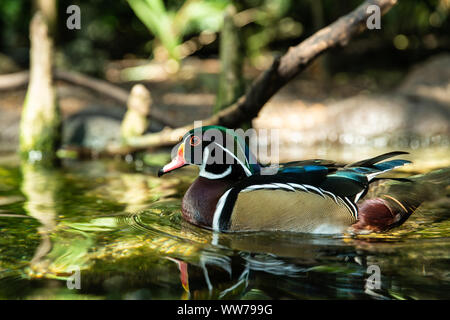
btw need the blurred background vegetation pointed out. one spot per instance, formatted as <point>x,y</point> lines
<point>171,30</point>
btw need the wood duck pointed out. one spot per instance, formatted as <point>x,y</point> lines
<point>232,193</point>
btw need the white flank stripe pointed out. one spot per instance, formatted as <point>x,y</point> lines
<point>261,186</point>
<point>284,186</point>
<point>355,211</point>
<point>331,195</point>
<point>345,204</point>
<point>305,188</point>
<point>298,186</point>
<point>316,189</point>
<point>358,196</point>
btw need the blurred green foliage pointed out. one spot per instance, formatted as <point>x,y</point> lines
<point>169,26</point>
<point>111,30</point>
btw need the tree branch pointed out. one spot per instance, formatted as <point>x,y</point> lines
<point>281,72</point>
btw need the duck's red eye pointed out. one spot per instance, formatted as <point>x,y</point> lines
<point>195,141</point>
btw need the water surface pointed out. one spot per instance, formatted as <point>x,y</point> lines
<point>119,228</point>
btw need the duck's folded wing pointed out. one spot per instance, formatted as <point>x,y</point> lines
<point>299,211</point>
<point>283,206</point>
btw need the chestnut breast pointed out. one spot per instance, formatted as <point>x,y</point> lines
<point>200,200</point>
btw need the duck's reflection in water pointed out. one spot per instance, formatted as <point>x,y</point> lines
<point>293,267</point>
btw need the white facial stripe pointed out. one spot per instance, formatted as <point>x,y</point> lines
<point>209,175</point>
<point>212,176</point>
<point>243,152</point>
<point>219,209</point>
<point>247,171</point>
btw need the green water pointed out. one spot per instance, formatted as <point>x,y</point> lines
<point>115,230</point>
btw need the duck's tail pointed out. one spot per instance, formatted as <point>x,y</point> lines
<point>391,203</point>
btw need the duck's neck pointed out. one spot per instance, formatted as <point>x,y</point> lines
<point>199,202</point>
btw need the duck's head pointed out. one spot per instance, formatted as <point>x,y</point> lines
<point>218,152</point>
